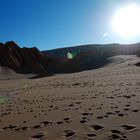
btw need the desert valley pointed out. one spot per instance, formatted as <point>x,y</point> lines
<point>93,94</point>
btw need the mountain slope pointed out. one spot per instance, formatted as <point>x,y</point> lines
<point>86,57</point>
<point>22,60</point>
<point>64,60</point>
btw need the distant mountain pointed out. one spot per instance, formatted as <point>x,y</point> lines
<point>111,49</point>
<point>22,60</point>
<point>64,60</point>
<point>86,57</point>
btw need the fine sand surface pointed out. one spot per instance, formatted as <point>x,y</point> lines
<point>101,104</point>
<point>9,74</point>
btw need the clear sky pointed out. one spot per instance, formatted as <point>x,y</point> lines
<point>49,24</point>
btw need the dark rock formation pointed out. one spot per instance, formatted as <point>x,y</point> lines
<point>22,60</point>
<point>86,57</point>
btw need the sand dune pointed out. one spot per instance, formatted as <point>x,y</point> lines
<point>100,104</point>
<point>9,74</point>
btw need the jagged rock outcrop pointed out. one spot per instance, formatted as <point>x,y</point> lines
<point>22,60</point>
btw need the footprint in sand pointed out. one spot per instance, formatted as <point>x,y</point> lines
<point>36,126</point>
<point>128,127</point>
<point>69,133</point>
<point>60,122</point>
<point>99,117</point>
<point>86,114</point>
<point>45,122</point>
<point>90,135</point>
<point>115,131</point>
<point>97,127</point>
<point>9,127</point>
<point>116,134</point>
<point>38,136</point>
<point>135,110</point>
<point>21,129</point>
<point>120,115</point>
<point>83,121</point>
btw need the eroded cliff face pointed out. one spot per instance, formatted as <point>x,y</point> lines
<point>22,60</point>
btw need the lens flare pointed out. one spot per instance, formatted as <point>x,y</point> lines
<point>69,55</point>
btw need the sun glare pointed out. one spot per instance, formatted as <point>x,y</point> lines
<point>126,21</point>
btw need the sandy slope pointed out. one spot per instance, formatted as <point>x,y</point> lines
<point>101,104</point>
<point>9,74</point>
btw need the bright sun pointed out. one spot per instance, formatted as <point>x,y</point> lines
<point>126,21</point>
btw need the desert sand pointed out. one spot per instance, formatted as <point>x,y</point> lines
<point>100,104</point>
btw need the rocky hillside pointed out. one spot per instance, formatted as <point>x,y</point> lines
<point>22,60</point>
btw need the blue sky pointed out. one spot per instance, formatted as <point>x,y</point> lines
<point>49,24</point>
